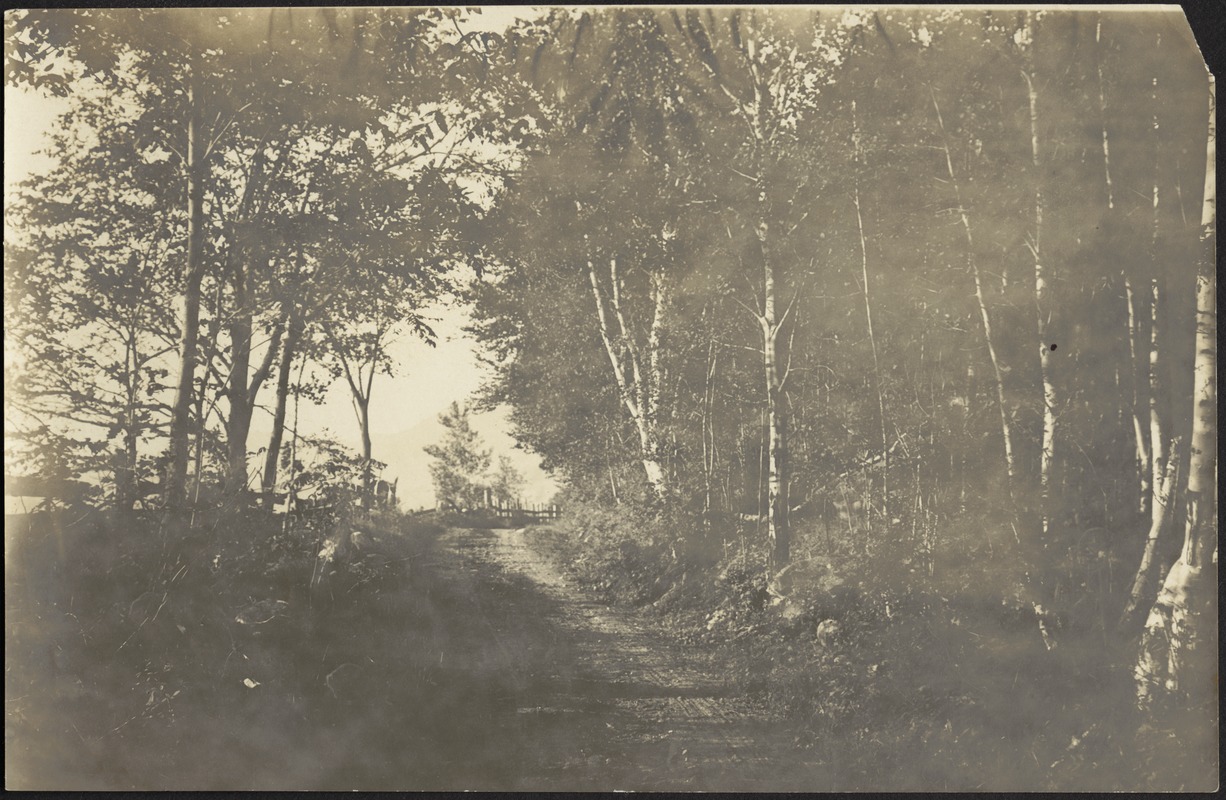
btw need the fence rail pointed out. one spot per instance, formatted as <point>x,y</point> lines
<point>538,512</point>
<point>518,509</point>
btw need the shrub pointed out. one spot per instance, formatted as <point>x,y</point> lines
<point>624,554</point>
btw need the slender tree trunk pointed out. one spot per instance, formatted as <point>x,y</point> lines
<point>130,492</point>
<point>1102,111</point>
<point>242,324</point>
<point>708,432</point>
<point>1134,376</point>
<point>126,483</point>
<point>361,386</point>
<point>198,454</point>
<point>294,327</point>
<point>1143,585</point>
<point>868,315</point>
<point>363,408</point>
<point>1139,381</point>
<point>778,531</point>
<point>174,483</point>
<point>966,418</point>
<point>1043,312</point>
<point>289,351</point>
<point>1159,426</point>
<point>291,498</point>
<point>131,459</point>
<point>1006,415</point>
<point>653,405</point>
<point>210,349</point>
<point>238,423</point>
<point>242,390</point>
<point>612,478</point>
<point>1159,398</point>
<point>1178,652</point>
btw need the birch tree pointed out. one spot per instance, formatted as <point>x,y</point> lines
<point>1135,374</point>
<point>638,375</point>
<point>1042,281</point>
<point>1177,660</point>
<point>621,106</point>
<point>758,78</point>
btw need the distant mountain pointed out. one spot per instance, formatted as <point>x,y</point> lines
<point>402,452</point>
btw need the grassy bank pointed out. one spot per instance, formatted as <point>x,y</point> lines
<point>211,665</point>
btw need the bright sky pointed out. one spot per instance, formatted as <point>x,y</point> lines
<point>404,408</point>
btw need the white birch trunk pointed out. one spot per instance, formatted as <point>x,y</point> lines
<point>868,315</point>
<point>1159,425</point>
<point>1148,571</point>
<point>1140,403</point>
<point>640,401</point>
<point>1177,661</point>
<point>778,531</point>
<point>1047,463</point>
<point>1006,417</point>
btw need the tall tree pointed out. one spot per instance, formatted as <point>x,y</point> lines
<point>1007,423</point>
<point>217,71</point>
<point>868,315</point>
<point>1134,375</point>
<point>760,77</point>
<point>1042,285</point>
<point>622,108</point>
<point>88,276</point>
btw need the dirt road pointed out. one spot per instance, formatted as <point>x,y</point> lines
<point>469,663</point>
<point>604,699</point>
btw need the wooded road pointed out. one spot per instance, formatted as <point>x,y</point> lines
<point>609,702</point>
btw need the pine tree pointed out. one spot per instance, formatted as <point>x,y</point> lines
<point>461,462</point>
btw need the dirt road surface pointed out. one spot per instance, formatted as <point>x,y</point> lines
<point>604,699</point>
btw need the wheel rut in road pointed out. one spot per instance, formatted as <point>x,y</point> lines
<point>613,702</point>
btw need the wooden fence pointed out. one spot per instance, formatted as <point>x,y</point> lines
<point>533,511</point>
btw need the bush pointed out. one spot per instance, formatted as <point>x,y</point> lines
<point>624,554</point>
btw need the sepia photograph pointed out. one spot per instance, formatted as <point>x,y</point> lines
<point>655,398</point>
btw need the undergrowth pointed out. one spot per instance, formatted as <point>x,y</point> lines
<point>901,672</point>
<point>140,657</point>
